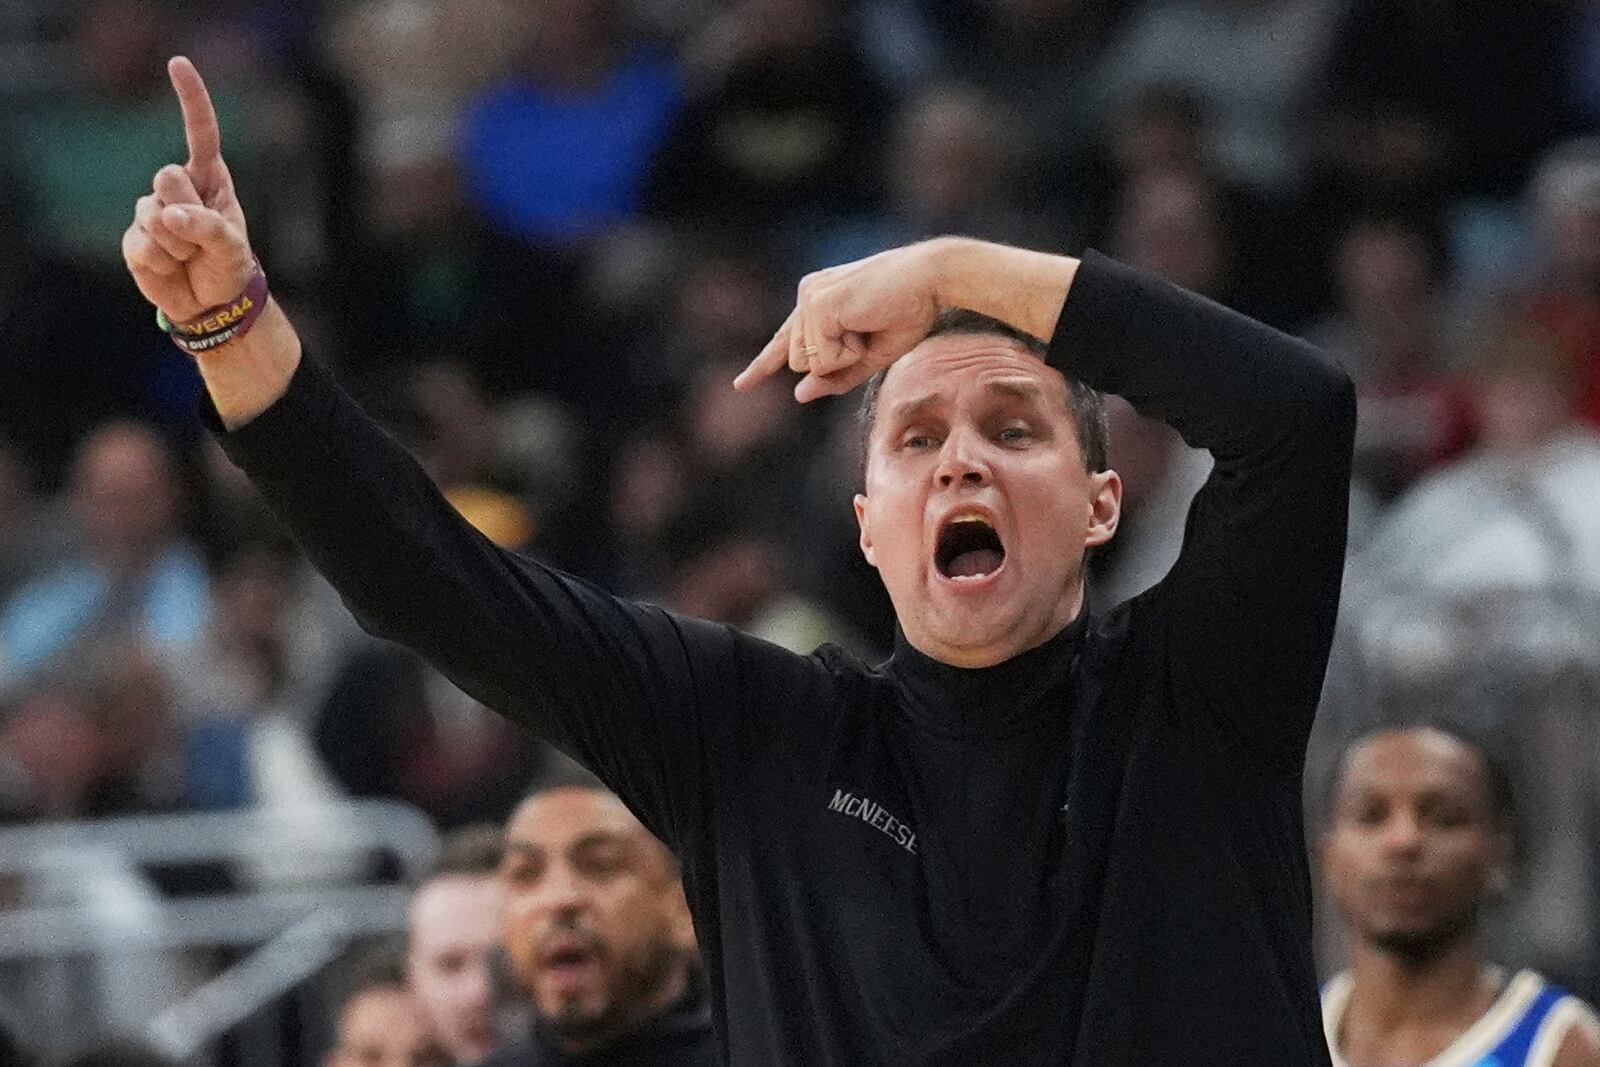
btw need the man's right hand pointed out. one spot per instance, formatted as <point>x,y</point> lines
<point>187,248</point>
<point>189,252</point>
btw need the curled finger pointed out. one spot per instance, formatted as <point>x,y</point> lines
<point>144,255</point>
<point>147,216</point>
<point>174,186</point>
<point>815,386</point>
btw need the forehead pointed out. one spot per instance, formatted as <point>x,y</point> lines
<point>455,905</point>
<point>388,1011</point>
<point>953,367</point>
<point>1415,761</point>
<point>555,818</point>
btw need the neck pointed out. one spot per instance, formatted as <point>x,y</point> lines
<point>1391,995</point>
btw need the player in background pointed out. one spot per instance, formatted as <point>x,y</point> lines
<point>1419,842</point>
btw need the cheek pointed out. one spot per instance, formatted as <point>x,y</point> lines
<point>518,934</point>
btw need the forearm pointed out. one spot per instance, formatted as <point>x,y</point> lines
<point>246,376</point>
<point>1023,288</point>
<point>1226,382</point>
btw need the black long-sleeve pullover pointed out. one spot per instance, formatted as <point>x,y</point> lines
<point>1091,854</point>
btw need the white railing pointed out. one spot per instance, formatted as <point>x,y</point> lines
<point>94,949</point>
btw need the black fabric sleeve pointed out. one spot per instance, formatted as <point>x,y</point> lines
<point>630,690</point>
<point>1248,610</point>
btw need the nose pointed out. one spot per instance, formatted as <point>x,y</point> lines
<point>560,891</point>
<point>961,462</point>
<point>1403,833</point>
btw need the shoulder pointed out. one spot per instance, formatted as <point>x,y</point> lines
<point>1577,1028</point>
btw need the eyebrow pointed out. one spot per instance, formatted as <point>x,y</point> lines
<point>1014,390</point>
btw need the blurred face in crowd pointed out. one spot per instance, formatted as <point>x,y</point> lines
<point>597,928</point>
<point>118,43</point>
<point>1416,844</point>
<point>978,507</point>
<point>125,495</point>
<point>1169,225</point>
<point>453,927</point>
<point>383,1027</point>
<point>55,744</point>
<point>950,155</point>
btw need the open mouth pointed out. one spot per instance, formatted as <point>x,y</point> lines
<point>968,548</point>
<point>566,959</point>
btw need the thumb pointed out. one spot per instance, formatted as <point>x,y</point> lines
<point>204,227</point>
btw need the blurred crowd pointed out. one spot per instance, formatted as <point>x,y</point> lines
<point>537,240</point>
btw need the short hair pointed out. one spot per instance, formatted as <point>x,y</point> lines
<point>468,851</point>
<point>370,967</point>
<point>1496,777</point>
<point>1086,404</point>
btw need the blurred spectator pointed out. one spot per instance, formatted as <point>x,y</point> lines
<point>784,127</point>
<point>134,574</point>
<point>1038,60</point>
<point>559,152</point>
<point>105,741</point>
<point>52,751</point>
<point>720,308</point>
<point>1181,225</point>
<point>1391,332</point>
<point>1566,297</point>
<point>1160,138</point>
<point>599,937</point>
<point>1252,63</point>
<point>378,1020</point>
<point>727,451</point>
<point>725,567</point>
<point>259,668</point>
<point>452,929</point>
<point>1433,100</point>
<point>392,726</point>
<point>33,531</point>
<point>83,156</point>
<point>1521,511</point>
<point>951,167</point>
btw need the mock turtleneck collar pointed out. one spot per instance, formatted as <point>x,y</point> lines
<point>985,701</point>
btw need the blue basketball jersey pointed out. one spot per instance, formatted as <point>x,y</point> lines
<point>1524,1027</point>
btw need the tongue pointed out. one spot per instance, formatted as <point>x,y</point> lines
<point>977,561</point>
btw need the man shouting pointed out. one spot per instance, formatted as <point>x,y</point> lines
<point>1034,835</point>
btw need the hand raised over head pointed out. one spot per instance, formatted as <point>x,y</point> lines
<point>851,321</point>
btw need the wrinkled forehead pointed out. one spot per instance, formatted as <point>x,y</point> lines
<point>955,368</point>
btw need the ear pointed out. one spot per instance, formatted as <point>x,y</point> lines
<point>866,528</point>
<point>1105,508</point>
<point>680,922</point>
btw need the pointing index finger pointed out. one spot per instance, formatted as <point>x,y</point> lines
<point>773,357</point>
<point>200,127</point>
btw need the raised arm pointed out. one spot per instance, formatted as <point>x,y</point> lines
<point>630,690</point>
<point>1249,608</point>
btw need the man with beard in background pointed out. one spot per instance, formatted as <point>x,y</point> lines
<point>598,934</point>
